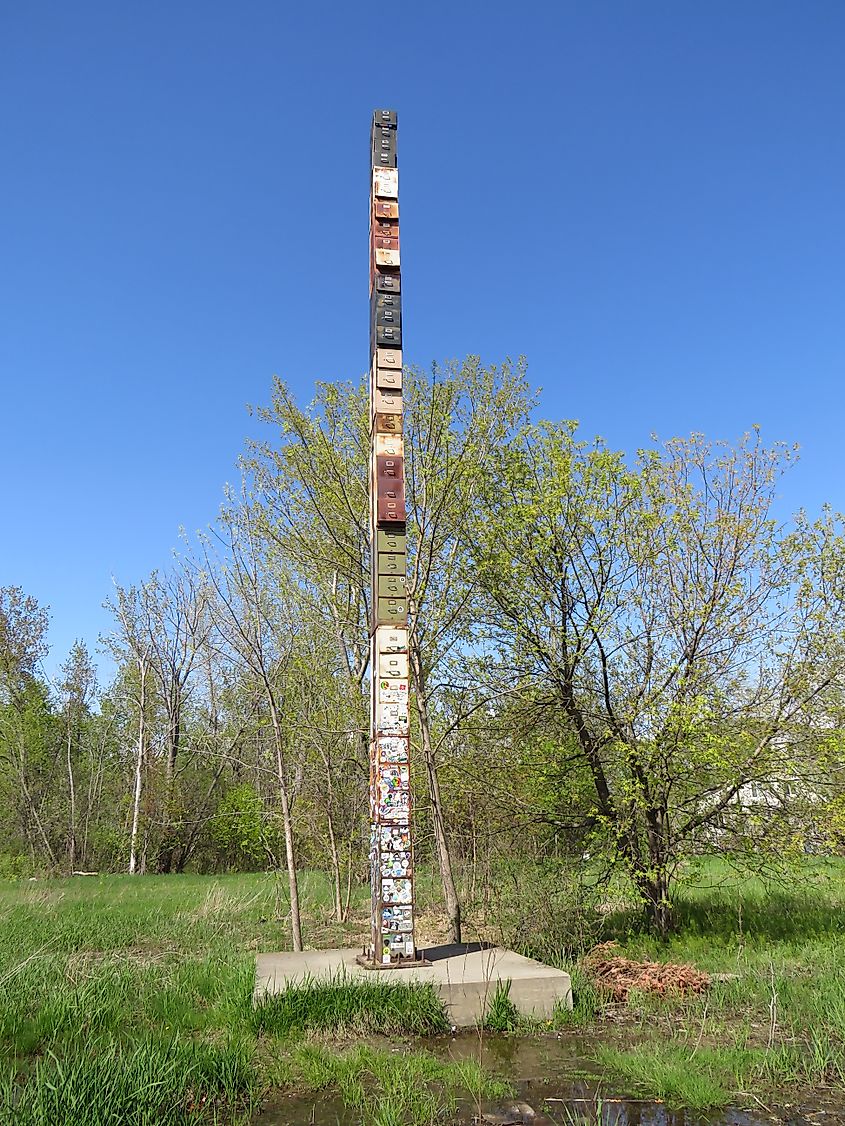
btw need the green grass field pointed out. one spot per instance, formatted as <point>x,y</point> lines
<point>129,1000</point>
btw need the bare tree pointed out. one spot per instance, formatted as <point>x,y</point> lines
<point>176,625</point>
<point>253,620</point>
<point>130,645</point>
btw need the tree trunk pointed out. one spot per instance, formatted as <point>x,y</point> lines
<point>164,857</point>
<point>338,905</point>
<point>444,859</point>
<point>71,829</point>
<point>654,890</point>
<point>296,924</point>
<point>33,812</point>
<point>139,769</point>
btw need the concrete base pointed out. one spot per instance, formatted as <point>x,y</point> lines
<point>465,977</point>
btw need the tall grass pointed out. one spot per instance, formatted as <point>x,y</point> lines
<point>130,1000</point>
<point>146,1083</point>
<point>353,1006</point>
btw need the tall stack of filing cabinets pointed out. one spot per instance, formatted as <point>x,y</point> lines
<point>391,853</point>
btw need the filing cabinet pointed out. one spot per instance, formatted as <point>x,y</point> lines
<point>384,155</point>
<point>390,502</point>
<point>386,402</point>
<point>391,640</point>
<point>389,446</point>
<point>392,748</point>
<point>387,315</point>
<point>386,183</point>
<point>391,586</point>
<point>388,283</point>
<point>386,208</point>
<point>389,334</point>
<point>389,358</point>
<point>384,146</point>
<point>384,117</point>
<point>393,542</point>
<point>385,242</point>
<point>385,257</point>
<point>386,301</point>
<point>392,610</point>
<point>391,563</point>
<point>388,423</point>
<point>387,229</point>
<point>390,468</point>
<point>388,380</point>
<point>393,664</point>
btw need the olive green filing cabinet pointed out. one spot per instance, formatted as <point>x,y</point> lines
<point>392,610</point>
<point>391,586</point>
<point>391,563</point>
<point>393,542</point>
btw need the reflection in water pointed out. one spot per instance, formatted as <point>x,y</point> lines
<point>556,1084</point>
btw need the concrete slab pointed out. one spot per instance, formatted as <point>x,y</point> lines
<point>465,978</point>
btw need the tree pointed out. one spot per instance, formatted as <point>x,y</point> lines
<point>253,621</point>
<point>130,645</point>
<point>653,608</point>
<point>78,686</point>
<point>456,421</point>
<point>312,487</point>
<point>25,710</point>
<point>176,626</point>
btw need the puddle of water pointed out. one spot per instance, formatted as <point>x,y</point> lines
<point>556,1084</point>
<point>536,1108</point>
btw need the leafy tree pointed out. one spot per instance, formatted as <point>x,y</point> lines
<point>26,741</point>
<point>78,686</point>
<point>653,607</point>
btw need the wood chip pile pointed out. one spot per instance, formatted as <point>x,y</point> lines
<point>617,976</point>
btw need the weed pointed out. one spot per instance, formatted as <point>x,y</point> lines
<point>502,1014</point>
<point>669,1073</point>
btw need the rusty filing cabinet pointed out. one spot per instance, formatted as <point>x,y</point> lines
<point>387,423</point>
<point>389,445</point>
<point>386,183</point>
<point>386,208</point>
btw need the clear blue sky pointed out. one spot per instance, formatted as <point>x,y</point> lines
<point>644,199</point>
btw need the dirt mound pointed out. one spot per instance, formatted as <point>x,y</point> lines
<point>617,976</point>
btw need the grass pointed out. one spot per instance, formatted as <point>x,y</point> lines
<point>130,1000</point>
<point>387,1087</point>
<point>778,1017</point>
<point>353,1006</point>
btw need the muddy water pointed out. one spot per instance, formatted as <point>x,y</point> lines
<point>555,1084</point>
